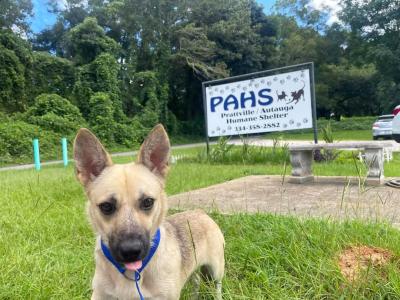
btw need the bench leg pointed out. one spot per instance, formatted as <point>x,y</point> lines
<point>301,161</point>
<point>374,161</point>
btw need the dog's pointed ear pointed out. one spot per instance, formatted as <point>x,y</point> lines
<point>90,156</point>
<point>155,150</point>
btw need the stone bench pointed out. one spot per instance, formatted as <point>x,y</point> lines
<point>301,158</point>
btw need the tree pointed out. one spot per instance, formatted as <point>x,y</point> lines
<point>12,81</point>
<point>52,75</point>
<point>101,75</point>
<point>15,64</point>
<point>376,22</point>
<point>88,40</point>
<point>347,90</point>
<point>13,15</point>
<point>101,117</point>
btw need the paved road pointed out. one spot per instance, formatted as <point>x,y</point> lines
<point>253,141</point>
<point>120,154</point>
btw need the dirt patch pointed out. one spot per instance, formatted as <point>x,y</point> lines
<point>356,259</point>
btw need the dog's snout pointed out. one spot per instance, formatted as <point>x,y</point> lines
<point>131,249</point>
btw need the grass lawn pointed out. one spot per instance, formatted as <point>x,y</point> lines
<point>46,244</point>
<point>339,135</point>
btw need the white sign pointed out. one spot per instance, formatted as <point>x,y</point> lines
<point>264,104</point>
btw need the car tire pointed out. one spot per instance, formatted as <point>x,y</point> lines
<point>374,138</point>
<point>396,137</point>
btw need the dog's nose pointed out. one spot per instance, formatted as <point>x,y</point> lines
<point>131,249</point>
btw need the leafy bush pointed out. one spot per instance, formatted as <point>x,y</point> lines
<point>130,135</point>
<point>101,75</point>
<point>101,117</point>
<point>16,142</point>
<point>52,75</point>
<point>55,113</point>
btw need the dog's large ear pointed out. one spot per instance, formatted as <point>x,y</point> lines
<point>154,152</point>
<point>90,156</point>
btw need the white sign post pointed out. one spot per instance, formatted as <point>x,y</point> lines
<point>275,100</point>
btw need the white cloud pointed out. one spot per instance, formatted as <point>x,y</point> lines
<point>331,6</point>
<point>62,4</point>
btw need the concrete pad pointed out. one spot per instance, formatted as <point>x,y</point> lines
<point>273,194</point>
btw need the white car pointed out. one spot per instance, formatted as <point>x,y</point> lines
<point>396,128</point>
<point>382,128</point>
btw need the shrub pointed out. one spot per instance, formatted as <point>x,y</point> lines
<point>101,117</point>
<point>55,113</point>
<point>130,135</point>
<point>16,142</point>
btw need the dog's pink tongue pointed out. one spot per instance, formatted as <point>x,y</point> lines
<point>133,266</point>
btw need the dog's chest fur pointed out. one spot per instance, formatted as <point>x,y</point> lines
<point>180,251</point>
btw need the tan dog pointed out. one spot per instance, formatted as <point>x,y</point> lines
<point>126,206</point>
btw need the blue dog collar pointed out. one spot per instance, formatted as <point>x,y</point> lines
<point>122,270</point>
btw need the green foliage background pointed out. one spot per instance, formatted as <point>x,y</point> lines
<point>121,66</point>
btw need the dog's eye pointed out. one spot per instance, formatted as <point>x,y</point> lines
<point>147,203</point>
<point>107,208</point>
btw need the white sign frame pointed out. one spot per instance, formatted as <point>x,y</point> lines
<point>274,100</point>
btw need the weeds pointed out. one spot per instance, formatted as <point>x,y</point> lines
<point>225,153</point>
<point>326,155</point>
<point>46,244</point>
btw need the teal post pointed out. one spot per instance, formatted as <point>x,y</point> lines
<point>64,151</point>
<point>36,155</point>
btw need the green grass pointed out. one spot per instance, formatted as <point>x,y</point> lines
<point>46,244</point>
<point>278,257</point>
<point>339,135</point>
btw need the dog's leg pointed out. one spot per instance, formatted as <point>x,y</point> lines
<point>218,286</point>
<point>216,271</point>
<point>196,285</point>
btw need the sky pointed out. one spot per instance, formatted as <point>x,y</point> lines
<point>43,19</point>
